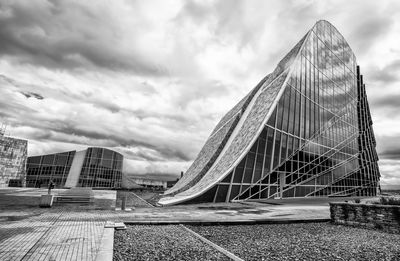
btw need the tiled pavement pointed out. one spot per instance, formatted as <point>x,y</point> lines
<point>64,232</point>
<point>53,236</point>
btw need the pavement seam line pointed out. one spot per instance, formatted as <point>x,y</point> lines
<point>213,245</point>
<point>27,255</point>
<point>143,200</point>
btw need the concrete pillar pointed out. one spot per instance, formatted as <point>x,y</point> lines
<point>46,201</point>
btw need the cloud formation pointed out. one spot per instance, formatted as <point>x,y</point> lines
<point>152,78</point>
<point>68,35</point>
<point>386,75</point>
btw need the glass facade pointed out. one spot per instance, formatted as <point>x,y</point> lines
<point>42,169</point>
<point>317,140</point>
<point>101,168</point>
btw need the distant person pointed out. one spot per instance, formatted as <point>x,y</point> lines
<point>51,186</point>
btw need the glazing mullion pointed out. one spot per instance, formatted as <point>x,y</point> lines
<point>255,161</point>
<point>228,195</point>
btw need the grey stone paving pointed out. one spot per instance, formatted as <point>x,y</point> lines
<point>54,236</point>
<point>64,232</point>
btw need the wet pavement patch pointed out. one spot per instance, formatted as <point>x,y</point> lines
<point>226,212</point>
<point>261,203</point>
<point>6,233</point>
<point>225,207</point>
<point>282,215</point>
<point>253,211</point>
<point>17,218</point>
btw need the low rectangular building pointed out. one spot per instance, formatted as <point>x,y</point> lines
<point>93,167</point>
<point>149,183</point>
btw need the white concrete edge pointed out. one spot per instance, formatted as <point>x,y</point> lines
<point>290,69</point>
<point>213,245</point>
<point>242,119</point>
<point>106,248</point>
<point>239,111</point>
<point>235,115</point>
<point>75,169</point>
<point>173,200</point>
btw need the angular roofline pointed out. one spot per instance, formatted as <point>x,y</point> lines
<point>104,149</point>
<point>41,155</point>
<point>50,154</point>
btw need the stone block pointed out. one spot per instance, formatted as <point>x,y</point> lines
<point>46,201</point>
<point>371,216</point>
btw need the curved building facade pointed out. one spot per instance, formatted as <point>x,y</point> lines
<point>304,131</point>
<point>93,167</point>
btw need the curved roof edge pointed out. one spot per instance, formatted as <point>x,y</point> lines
<point>190,179</point>
<point>176,200</point>
<point>102,148</point>
<point>179,198</point>
<point>63,152</point>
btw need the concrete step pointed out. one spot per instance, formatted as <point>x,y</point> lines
<point>76,195</point>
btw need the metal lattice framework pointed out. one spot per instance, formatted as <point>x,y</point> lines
<point>304,131</point>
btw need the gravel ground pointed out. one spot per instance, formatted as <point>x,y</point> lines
<point>311,241</point>
<point>161,243</point>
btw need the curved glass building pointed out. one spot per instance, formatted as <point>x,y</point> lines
<point>304,131</point>
<point>93,167</point>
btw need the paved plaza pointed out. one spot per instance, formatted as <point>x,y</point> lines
<point>77,231</point>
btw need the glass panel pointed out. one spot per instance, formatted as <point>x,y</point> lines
<point>221,193</point>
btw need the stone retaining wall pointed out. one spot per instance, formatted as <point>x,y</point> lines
<point>385,217</point>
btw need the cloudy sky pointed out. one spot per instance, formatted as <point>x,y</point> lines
<point>152,78</point>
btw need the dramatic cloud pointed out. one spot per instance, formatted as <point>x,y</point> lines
<point>390,102</point>
<point>372,30</point>
<point>69,34</point>
<point>386,75</point>
<point>389,171</point>
<point>152,78</point>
